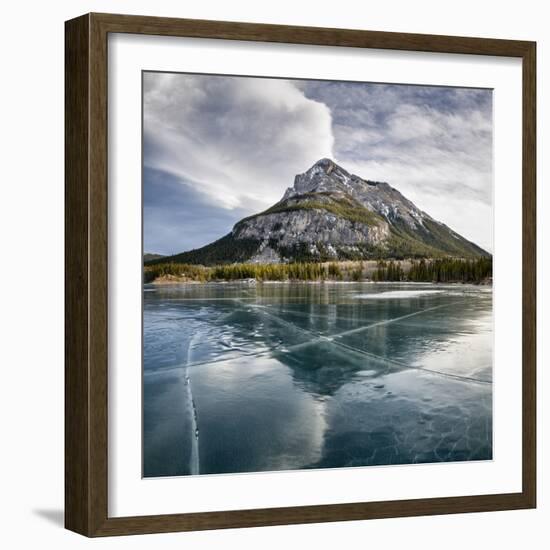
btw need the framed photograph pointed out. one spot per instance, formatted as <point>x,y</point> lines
<point>300,275</point>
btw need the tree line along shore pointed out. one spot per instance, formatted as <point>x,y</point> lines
<point>437,270</point>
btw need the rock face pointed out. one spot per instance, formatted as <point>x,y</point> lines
<point>312,225</point>
<point>330,214</point>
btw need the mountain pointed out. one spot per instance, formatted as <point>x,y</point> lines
<point>149,256</point>
<point>330,214</point>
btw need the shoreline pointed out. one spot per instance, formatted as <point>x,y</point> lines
<point>437,270</point>
<point>253,282</point>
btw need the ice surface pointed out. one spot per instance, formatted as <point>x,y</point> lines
<point>282,377</point>
<point>397,294</point>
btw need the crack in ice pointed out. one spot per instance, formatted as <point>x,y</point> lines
<point>194,459</point>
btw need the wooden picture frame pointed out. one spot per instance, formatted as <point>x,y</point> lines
<point>86,283</point>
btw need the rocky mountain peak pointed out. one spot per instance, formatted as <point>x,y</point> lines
<point>331,214</point>
<point>380,197</point>
<point>326,164</point>
<point>324,176</point>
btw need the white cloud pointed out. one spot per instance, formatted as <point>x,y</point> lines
<point>240,140</point>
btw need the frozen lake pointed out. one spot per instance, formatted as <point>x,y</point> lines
<point>243,378</point>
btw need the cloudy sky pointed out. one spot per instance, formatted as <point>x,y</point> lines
<point>217,148</point>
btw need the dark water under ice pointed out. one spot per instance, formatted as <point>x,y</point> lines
<point>246,378</point>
